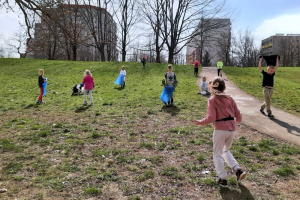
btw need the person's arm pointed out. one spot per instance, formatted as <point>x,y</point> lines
<point>277,64</point>
<point>211,115</point>
<point>238,115</point>
<point>259,63</point>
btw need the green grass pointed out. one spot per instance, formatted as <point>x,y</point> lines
<point>128,145</point>
<point>286,93</point>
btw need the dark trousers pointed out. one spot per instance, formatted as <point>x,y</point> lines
<point>219,70</point>
<point>195,71</point>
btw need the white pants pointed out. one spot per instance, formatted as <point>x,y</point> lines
<point>90,94</point>
<point>222,141</point>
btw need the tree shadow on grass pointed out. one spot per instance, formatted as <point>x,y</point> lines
<point>286,125</point>
<point>82,108</point>
<point>244,194</point>
<point>171,109</point>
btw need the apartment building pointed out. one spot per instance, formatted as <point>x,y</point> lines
<point>287,46</point>
<point>74,32</point>
<point>213,36</point>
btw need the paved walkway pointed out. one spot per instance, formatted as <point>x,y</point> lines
<point>285,126</point>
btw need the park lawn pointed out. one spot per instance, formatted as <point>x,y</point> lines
<point>128,145</point>
<point>286,95</point>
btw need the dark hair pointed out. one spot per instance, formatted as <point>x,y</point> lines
<point>218,84</point>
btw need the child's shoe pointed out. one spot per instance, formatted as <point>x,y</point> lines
<point>84,103</point>
<point>240,175</point>
<point>271,116</point>
<point>262,111</point>
<point>222,182</point>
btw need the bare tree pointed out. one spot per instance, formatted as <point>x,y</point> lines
<point>246,52</point>
<point>18,42</point>
<point>224,47</point>
<point>182,17</point>
<point>69,23</point>
<point>152,11</point>
<point>127,19</point>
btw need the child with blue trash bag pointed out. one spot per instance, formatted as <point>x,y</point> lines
<point>41,81</point>
<point>169,82</point>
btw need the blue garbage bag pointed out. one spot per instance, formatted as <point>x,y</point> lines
<point>45,86</point>
<point>167,93</point>
<point>120,80</point>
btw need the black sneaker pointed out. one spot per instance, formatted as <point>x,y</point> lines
<point>271,116</point>
<point>222,182</point>
<point>240,175</point>
<point>262,111</point>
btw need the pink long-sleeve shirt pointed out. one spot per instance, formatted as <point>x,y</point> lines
<point>220,107</point>
<point>88,82</point>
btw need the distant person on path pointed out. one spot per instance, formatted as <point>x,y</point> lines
<point>220,66</point>
<point>196,66</point>
<point>144,59</point>
<point>204,87</point>
<point>123,71</point>
<point>268,82</point>
<point>222,110</point>
<point>41,80</point>
<point>88,82</point>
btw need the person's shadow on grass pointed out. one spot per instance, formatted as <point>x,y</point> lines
<point>228,194</point>
<point>171,109</point>
<point>289,127</point>
<point>119,88</point>
<point>82,108</point>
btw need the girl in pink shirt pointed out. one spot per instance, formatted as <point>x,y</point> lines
<point>222,110</point>
<point>88,82</point>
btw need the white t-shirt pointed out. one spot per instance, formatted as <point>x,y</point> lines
<point>204,86</point>
<point>123,72</point>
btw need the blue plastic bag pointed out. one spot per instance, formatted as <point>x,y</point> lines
<point>45,86</point>
<point>167,93</point>
<point>120,80</point>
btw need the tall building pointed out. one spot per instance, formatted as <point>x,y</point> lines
<point>212,37</point>
<point>287,46</point>
<point>74,32</point>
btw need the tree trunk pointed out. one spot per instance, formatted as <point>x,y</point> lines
<point>123,55</point>
<point>171,56</point>
<point>74,51</point>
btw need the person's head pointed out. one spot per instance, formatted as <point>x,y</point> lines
<point>170,68</point>
<point>87,73</point>
<point>270,69</point>
<point>204,78</point>
<point>220,60</point>
<point>217,85</point>
<point>41,71</point>
<point>122,68</point>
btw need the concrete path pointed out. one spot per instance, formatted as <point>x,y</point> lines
<point>285,126</point>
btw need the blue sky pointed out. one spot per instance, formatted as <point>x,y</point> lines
<point>263,18</point>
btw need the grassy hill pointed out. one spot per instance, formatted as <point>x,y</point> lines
<point>127,145</point>
<point>286,94</point>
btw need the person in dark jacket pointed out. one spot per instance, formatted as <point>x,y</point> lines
<point>41,80</point>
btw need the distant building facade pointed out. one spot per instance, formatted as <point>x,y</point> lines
<point>287,46</point>
<point>213,36</point>
<point>83,32</point>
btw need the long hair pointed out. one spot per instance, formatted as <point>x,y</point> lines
<point>218,85</point>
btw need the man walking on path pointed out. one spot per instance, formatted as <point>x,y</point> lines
<point>285,127</point>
